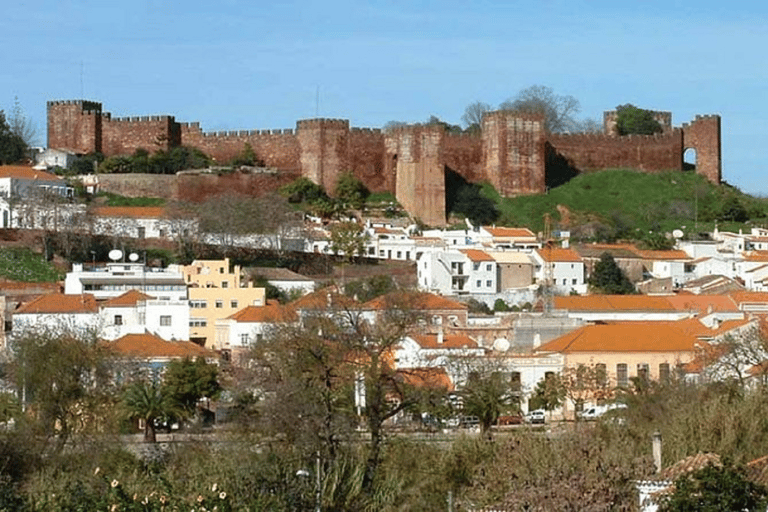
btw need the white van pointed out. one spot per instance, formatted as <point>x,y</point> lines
<point>595,411</point>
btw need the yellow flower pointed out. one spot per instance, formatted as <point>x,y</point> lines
<point>115,483</point>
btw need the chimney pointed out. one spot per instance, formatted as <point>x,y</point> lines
<point>657,451</point>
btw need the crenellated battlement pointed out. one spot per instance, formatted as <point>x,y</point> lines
<point>365,130</point>
<point>143,119</point>
<point>83,104</point>
<point>337,124</point>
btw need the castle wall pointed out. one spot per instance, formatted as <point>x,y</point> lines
<point>514,153</point>
<point>199,187</point>
<point>664,119</point>
<point>124,135</point>
<point>463,154</point>
<point>416,152</point>
<point>323,150</point>
<point>588,152</point>
<point>74,125</point>
<point>367,160</point>
<point>703,135</point>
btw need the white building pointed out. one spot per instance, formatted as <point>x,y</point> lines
<point>141,222</point>
<point>116,278</point>
<point>59,313</point>
<point>134,313</point>
<point>462,272</point>
<point>456,354</point>
<point>564,268</point>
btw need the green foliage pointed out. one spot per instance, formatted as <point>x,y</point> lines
<point>633,120</point>
<point>548,393</point>
<point>608,278</point>
<point>351,191</point>
<point>13,148</point>
<point>86,164</point>
<point>487,396</point>
<point>303,190</point>
<point>348,239</point>
<point>161,162</point>
<point>247,157</point>
<point>500,306</point>
<point>477,307</point>
<point>186,381</point>
<point>118,200</point>
<point>21,264</point>
<point>714,489</point>
<point>148,401</point>
<point>271,291</point>
<point>472,203</point>
<point>370,288</point>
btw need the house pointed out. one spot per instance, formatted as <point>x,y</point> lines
<point>59,313</point>
<point>283,279</point>
<point>146,351</point>
<point>216,291</point>
<point>456,354</point>
<point>433,311</point>
<point>53,158</point>
<point>237,333</point>
<point>508,238</point>
<point>34,198</point>
<point>135,312</point>
<point>663,482</point>
<point>563,268</point>
<point>117,277</point>
<point>141,222</point>
<point>458,272</point>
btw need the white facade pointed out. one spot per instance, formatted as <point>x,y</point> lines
<point>116,278</point>
<point>167,319</point>
<point>455,273</point>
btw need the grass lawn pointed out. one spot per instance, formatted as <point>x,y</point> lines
<point>21,264</point>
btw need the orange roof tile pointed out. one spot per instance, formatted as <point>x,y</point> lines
<point>59,303</point>
<point>450,341</point>
<point>663,255</point>
<point>271,313</point>
<point>128,299</point>
<point>558,254</point>
<point>323,299</point>
<point>148,345</point>
<point>477,255</point>
<point>414,300</point>
<point>432,378</point>
<point>509,232</point>
<point>756,256</point>
<point>143,212</point>
<point>625,337</point>
<point>702,303</point>
<point>26,173</point>
<point>689,465</point>
<point>613,303</point>
<point>741,297</point>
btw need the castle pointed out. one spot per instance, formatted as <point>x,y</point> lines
<point>513,151</point>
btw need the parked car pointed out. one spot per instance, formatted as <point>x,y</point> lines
<point>596,411</point>
<point>536,416</point>
<point>469,421</point>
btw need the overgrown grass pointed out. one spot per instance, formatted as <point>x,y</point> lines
<point>630,202</point>
<point>21,264</point>
<point>117,200</point>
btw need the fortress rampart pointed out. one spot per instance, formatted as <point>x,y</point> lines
<point>513,152</point>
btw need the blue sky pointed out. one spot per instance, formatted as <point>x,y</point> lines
<point>255,65</point>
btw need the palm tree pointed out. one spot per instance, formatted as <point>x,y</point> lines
<point>147,401</point>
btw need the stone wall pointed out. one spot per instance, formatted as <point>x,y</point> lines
<point>703,135</point>
<point>74,125</point>
<point>124,135</point>
<point>514,153</point>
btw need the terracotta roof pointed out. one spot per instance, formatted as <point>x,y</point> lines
<point>144,212</point>
<point>689,465</point>
<point>558,254</point>
<point>702,303</point>
<point>663,255</point>
<point>128,299</point>
<point>149,346</point>
<point>626,337</point>
<point>756,256</point>
<point>450,341</point>
<point>26,173</point>
<point>706,354</point>
<point>323,299</point>
<point>752,297</point>
<point>414,300</point>
<point>477,255</point>
<point>433,378</point>
<point>613,303</point>
<point>509,232</point>
<point>59,303</point>
<point>271,313</point>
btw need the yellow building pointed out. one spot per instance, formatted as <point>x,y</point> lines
<point>216,291</point>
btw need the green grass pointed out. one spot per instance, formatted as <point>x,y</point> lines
<point>116,200</point>
<point>21,264</point>
<point>632,202</point>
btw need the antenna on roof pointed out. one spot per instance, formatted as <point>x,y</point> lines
<point>115,254</point>
<point>133,257</point>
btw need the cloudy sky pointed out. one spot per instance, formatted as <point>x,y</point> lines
<point>255,65</point>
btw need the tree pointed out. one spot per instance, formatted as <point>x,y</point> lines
<point>474,205</point>
<point>487,395</point>
<point>20,125</point>
<point>149,402</point>
<point>186,381</point>
<point>348,239</point>
<point>12,147</point>
<point>558,111</point>
<point>713,489</point>
<point>585,383</point>
<point>633,120</point>
<point>351,191</point>
<point>608,278</point>
<point>473,116</point>
<point>548,393</point>
<point>303,190</point>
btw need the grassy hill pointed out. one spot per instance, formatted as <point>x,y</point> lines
<point>628,204</point>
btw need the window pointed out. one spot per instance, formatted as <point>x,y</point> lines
<point>479,283</point>
<point>233,304</point>
<point>573,281</point>
<point>489,267</point>
<point>399,254</point>
<point>198,304</point>
<point>219,303</point>
<point>642,371</point>
<point>197,322</point>
<point>622,378</point>
<point>225,284</point>
<point>118,320</point>
<point>488,283</point>
<point>165,320</point>
<point>476,266</point>
<point>565,281</point>
<point>245,339</point>
<point>664,372</point>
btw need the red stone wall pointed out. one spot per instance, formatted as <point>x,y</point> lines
<point>74,125</point>
<point>367,160</point>
<point>703,135</point>
<point>323,150</point>
<point>464,155</point>
<point>199,187</point>
<point>650,153</point>
<point>514,153</point>
<point>124,135</point>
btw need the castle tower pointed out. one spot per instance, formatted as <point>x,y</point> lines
<point>514,152</point>
<point>324,150</point>
<point>75,125</point>
<point>415,153</point>
<point>703,135</point>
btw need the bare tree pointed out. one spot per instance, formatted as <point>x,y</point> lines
<point>473,115</point>
<point>21,125</point>
<point>558,111</point>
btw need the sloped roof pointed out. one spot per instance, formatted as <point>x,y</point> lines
<point>150,346</point>
<point>323,299</point>
<point>502,232</point>
<point>477,255</point>
<point>625,337</point>
<point>450,341</point>
<point>702,303</point>
<point>741,297</point>
<point>558,254</point>
<point>432,378</point>
<point>422,301</point>
<point>613,303</point>
<point>663,255</point>
<point>756,256</point>
<point>138,212</point>
<point>59,303</point>
<point>26,173</point>
<point>689,465</point>
<point>271,313</point>
<point>128,299</point>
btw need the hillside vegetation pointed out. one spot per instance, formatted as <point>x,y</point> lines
<point>618,204</point>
